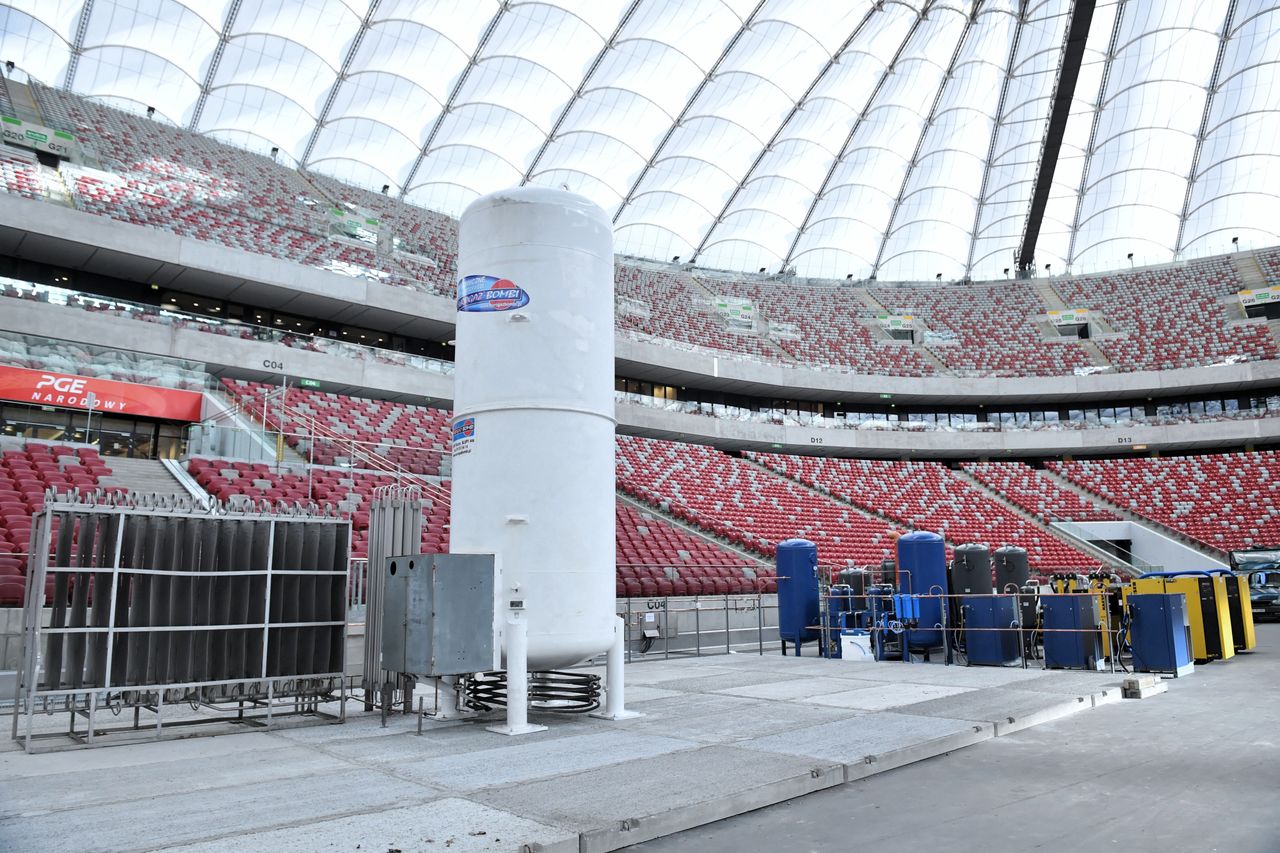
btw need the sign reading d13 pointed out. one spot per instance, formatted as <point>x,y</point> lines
<point>489,293</point>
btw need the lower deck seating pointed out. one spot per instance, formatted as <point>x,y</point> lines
<point>1225,501</point>
<point>745,503</point>
<point>926,496</point>
<point>26,475</point>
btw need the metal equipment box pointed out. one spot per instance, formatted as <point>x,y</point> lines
<point>1072,639</point>
<point>1208,610</point>
<point>438,615</point>
<point>991,637</point>
<point>1241,607</point>
<point>1160,634</point>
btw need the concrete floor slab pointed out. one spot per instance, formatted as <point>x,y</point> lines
<point>1088,684</point>
<point>720,681</point>
<point>796,688</point>
<point>875,742</point>
<point>964,676</point>
<point>180,817</point>
<point>58,791</point>
<point>1008,710</point>
<point>450,825</point>
<point>522,761</point>
<point>881,697</point>
<point>666,793</point>
<point>741,724</point>
<point>719,736</point>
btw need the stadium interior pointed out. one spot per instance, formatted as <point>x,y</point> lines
<point>207,301</point>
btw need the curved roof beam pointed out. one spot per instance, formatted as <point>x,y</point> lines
<point>773,140</point>
<point>1091,146</point>
<point>995,136</point>
<point>77,44</point>
<point>679,120</point>
<point>136,49</point>
<point>622,142</point>
<point>453,97</point>
<point>1112,207</point>
<point>1117,238</point>
<point>1224,37</point>
<point>924,132</point>
<point>337,83</point>
<point>791,255</point>
<point>1219,196</point>
<point>233,9</point>
<point>578,92</point>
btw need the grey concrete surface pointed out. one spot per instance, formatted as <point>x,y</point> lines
<point>720,736</point>
<point>1194,770</point>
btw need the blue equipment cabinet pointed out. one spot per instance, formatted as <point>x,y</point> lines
<point>1071,636</point>
<point>798,608</point>
<point>1160,633</point>
<point>922,570</point>
<point>989,635</point>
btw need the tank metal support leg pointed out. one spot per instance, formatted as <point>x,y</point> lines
<point>615,699</point>
<point>518,681</point>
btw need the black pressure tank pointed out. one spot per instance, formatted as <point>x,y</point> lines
<point>971,570</point>
<point>1012,569</point>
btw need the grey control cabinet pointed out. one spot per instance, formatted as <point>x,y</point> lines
<point>438,614</point>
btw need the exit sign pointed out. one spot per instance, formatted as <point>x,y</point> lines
<point>309,383</point>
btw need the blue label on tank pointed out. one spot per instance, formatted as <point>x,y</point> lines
<point>464,435</point>
<point>490,293</point>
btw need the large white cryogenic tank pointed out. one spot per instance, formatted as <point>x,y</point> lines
<point>533,446</point>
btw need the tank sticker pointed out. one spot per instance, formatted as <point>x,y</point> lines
<point>464,435</point>
<point>490,293</point>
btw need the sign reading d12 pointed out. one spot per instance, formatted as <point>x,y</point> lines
<point>464,435</point>
<point>489,293</point>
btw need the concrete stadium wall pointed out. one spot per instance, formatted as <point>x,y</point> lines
<point>66,323</point>
<point>81,240</point>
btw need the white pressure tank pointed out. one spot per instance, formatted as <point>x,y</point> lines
<point>533,427</point>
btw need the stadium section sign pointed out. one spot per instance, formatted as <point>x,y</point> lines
<point>1261,296</point>
<point>36,136</point>
<point>42,388</point>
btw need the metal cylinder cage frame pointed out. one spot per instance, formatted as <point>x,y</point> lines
<point>156,603</point>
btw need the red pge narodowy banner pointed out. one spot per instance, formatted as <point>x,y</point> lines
<point>43,388</point>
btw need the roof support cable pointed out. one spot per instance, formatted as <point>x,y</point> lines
<point>848,140</point>
<point>577,94</point>
<point>924,131</point>
<point>447,106</point>
<point>671,131</point>
<point>1212,89</point>
<point>1093,130</point>
<point>773,140</point>
<point>224,35</point>
<point>337,83</point>
<point>77,46</point>
<point>995,136</point>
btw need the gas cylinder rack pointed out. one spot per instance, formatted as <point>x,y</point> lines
<point>179,616</point>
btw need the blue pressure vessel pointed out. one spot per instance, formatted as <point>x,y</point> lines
<point>797,591</point>
<point>922,570</point>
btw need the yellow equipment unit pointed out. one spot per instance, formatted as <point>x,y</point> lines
<point>1208,609</point>
<point>1241,611</point>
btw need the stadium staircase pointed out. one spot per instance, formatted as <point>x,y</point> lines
<point>143,477</point>
<point>1126,515</point>
<point>1249,270</point>
<point>1061,535</point>
<point>867,298</point>
<point>1053,301</point>
<point>691,529</point>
